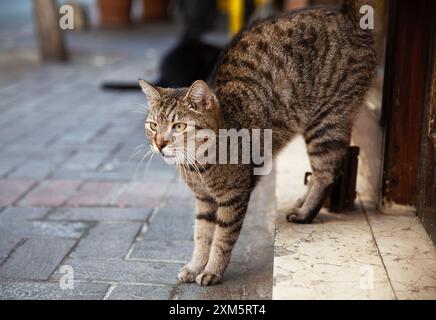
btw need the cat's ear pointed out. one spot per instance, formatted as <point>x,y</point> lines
<point>151,92</point>
<point>201,96</point>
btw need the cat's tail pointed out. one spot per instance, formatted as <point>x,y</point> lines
<point>351,9</point>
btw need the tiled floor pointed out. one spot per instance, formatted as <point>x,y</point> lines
<point>356,255</point>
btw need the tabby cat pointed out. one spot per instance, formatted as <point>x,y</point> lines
<point>305,73</point>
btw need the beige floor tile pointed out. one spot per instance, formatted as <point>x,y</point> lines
<point>333,258</point>
<point>408,254</point>
<point>328,259</point>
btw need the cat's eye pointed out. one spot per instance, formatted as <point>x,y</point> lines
<point>179,127</point>
<point>153,126</point>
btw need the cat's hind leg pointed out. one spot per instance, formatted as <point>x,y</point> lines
<point>326,147</point>
<point>300,201</point>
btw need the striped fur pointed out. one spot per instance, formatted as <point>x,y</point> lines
<point>301,73</point>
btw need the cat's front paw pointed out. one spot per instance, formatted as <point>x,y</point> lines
<point>208,279</point>
<point>187,275</point>
<point>296,215</point>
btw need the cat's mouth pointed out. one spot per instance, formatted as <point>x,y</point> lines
<point>169,159</point>
<point>167,153</point>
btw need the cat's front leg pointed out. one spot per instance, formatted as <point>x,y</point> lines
<point>230,217</point>
<point>205,216</point>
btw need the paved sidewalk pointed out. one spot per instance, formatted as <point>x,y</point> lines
<point>70,196</point>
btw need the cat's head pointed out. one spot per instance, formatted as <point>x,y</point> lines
<point>175,115</point>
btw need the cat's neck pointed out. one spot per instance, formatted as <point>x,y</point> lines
<point>232,101</point>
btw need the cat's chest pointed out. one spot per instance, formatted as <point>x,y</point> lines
<point>204,183</point>
<point>195,181</point>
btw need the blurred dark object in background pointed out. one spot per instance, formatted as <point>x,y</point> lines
<point>197,16</point>
<point>154,10</point>
<point>191,59</point>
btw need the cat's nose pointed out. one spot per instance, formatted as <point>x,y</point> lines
<point>161,144</point>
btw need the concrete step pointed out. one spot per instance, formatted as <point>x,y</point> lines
<point>361,254</point>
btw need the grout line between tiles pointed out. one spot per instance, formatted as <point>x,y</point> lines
<point>378,249</point>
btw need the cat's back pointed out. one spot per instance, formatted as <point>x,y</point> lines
<point>304,47</point>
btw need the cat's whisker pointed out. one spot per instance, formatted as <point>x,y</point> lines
<point>184,166</point>
<point>141,145</point>
<point>136,153</point>
<point>140,162</point>
<point>181,165</point>
<point>194,159</point>
<point>141,105</point>
<point>138,111</point>
<point>192,162</point>
<point>148,164</point>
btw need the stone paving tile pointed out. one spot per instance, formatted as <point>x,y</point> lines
<point>116,270</point>
<point>173,250</point>
<point>35,169</point>
<point>107,241</point>
<point>158,175</point>
<point>85,160</point>
<point>45,134</point>
<point>8,165</point>
<point>55,229</point>
<point>79,135</point>
<point>101,176</point>
<point>143,174</point>
<point>36,258</point>
<point>17,214</point>
<point>51,291</point>
<point>96,194</point>
<point>116,130</point>
<point>50,193</point>
<point>7,243</point>
<point>148,194</point>
<point>171,224</point>
<point>101,214</point>
<point>12,189</point>
<point>53,154</point>
<point>140,292</point>
<point>181,197</point>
